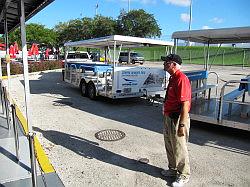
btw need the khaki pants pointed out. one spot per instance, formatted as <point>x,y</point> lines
<point>176,146</point>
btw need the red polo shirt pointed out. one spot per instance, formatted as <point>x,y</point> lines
<point>178,91</point>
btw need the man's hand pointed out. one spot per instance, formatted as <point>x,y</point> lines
<point>181,131</point>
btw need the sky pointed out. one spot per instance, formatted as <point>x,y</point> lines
<point>171,15</point>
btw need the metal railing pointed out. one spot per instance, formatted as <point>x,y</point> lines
<point>6,105</point>
<point>13,107</point>
<point>217,81</point>
<point>106,80</point>
<point>222,94</point>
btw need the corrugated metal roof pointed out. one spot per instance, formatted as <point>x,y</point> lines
<point>12,11</point>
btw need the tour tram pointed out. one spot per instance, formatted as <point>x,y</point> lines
<point>115,80</point>
<point>228,107</point>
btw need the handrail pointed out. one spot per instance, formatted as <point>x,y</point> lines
<point>13,107</point>
<point>217,81</point>
<point>70,75</point>
<point>71,65</point>
<point>106,81</point>
<point>219,118</point>
<point>41,156</point>
<point>2,98</point>
<point>6,104</point>
<point>31,137</point>
<point>82,67</point>
<point>32,140</point>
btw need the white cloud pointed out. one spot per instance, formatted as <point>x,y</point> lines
<point>216,20</point>
<point>178,2</point>
<point>206,27</point>
<point>185,17</point>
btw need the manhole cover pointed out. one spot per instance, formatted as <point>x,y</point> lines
<point>63,103</point>
<point>110,135</point>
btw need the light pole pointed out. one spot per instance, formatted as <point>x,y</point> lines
<point>128,5</point>
<point>190,15</point>
<point>190,19</point>
<point>96,8</point>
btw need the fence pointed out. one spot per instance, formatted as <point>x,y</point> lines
<point>16,120</point>
<point>195,55</point>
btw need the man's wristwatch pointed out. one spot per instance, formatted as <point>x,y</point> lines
<point>181,125</point>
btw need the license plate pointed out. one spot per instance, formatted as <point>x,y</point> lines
<point>127,90</point>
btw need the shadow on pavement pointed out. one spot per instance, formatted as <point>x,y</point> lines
<point>90,150</point>
<point>135,112</point>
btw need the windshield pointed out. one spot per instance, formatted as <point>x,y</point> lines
<point>136,55</point>
<point>71,56</point>
<point>82,55</point>
<point>78,55</point>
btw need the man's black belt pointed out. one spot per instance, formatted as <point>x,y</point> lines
<point>174,115</point>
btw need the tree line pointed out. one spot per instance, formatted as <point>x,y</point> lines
<point>137,23</point>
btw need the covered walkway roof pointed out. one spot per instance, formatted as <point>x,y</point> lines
<point>13,14</point>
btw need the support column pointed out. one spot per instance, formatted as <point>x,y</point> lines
<point>1,74</point>
<point>25,66</point>
<point>27,95</point>
<point>7,49</point>
<point>114,78</point>
<point>207,59</point>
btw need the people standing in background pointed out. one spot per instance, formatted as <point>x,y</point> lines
<point>47,53</point>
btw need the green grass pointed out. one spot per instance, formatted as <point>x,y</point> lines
<point>232,56</point>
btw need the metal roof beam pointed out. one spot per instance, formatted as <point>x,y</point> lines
<point>5,7</point>
<point>11,8</point>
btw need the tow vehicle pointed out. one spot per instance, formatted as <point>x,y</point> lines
<point>134,57</point>
<point>78,56</point>
<point>114,80</point>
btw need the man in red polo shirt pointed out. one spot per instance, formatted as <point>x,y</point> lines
<point>176,121</point>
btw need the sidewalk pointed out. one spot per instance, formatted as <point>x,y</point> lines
<point>16,172</point>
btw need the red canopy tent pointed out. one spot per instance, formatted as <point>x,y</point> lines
<point>30,52</point>
<point>47,53</point>
<point>33,50</point>
<point>16,48</point>
<point>36,50</point>
<point>2,46</point>
<point>12,52</point>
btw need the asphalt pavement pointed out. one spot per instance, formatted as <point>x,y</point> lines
<point>66,124</point>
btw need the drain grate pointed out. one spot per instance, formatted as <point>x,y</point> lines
<point>110,135</point>
<point>62,103</point>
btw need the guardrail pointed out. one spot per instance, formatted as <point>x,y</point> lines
<point>198,80</point>
<point>222,96</point>
<point>14,114</point>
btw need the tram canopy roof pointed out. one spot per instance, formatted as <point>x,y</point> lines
<point>12,9</point>
<point>215,36</point>
<point>125,41</point>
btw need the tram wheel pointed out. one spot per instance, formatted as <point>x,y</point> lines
<point>83,88</point>
<point>91,91</point>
